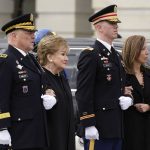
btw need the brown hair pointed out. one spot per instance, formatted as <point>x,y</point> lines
<point>131,51</point>
<point>49,45</point>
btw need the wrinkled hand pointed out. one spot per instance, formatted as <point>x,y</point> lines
<point>125,102</point>
<point>48,101</point>
<point>50,92</point>
<point>5,138</point>
<point>91,133</point>
<point>142,107</point>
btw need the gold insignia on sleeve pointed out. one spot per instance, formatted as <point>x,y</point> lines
<point>4,115</point>
<point>3,55</point>
<point>87,116</point>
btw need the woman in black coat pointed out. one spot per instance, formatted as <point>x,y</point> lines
<point>52,54</point>
<point>137,117</point>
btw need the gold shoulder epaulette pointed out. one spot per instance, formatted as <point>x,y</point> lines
<point>89,48</point>
<point>3,55</point>
<point>4,115</point>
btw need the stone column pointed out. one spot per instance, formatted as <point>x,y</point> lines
<point>6,11</point>
<point>66,17</point>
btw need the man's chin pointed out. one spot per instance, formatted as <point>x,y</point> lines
<point>115,36</point>
<point>31,48</point>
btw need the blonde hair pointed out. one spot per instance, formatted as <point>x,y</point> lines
<point>131,51</point>
<point>50,44</point>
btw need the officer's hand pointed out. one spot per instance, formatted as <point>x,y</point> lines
<point>125,102</point>
<point>48,101</point>
<point>91,133</point>
<point>5,138</point>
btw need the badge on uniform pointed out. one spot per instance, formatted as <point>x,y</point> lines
<point>122,63</point>
<point>107,65</point>
<point>23,76</point>
<point>22,72</point>
<point>18,65</point>
<point>104,58</point>
<point>106,61</point>
<point>25,89</point>
<point>109,77</point>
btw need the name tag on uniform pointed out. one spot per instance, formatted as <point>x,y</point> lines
<point>19,66</point>
<point>107,65</point>
<point>22,76</point>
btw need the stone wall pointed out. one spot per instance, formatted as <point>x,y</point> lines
<point>69,18</point>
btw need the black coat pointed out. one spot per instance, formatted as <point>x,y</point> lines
<point>20,96</point>
<point>100,83</point>
<point>60,118</point>
<point>137,125</point>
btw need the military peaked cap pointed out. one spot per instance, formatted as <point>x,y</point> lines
<point>107,14</point>
<point>24,22</point>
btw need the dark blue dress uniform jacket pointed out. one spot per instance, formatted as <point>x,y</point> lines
<point>100,82</point>
<point>21,108</point>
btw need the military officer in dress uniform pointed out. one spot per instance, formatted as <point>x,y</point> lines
<point>22,115</point>
<point>100,86</point>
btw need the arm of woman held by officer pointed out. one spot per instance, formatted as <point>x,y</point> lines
<point>141,107</point>
<point>49,99</point>
<point>128,91</point>
<point>126,100</point>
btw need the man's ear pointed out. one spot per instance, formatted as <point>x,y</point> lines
<point>13,34</point>
<point>98,26</point>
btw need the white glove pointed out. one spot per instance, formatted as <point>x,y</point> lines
<point>125,102</point>
<point>91,133</point>
<point>48,101</point>
<point>5,138</point>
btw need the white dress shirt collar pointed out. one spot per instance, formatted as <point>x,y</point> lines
<point>21,51</point>
<point>108,46</point>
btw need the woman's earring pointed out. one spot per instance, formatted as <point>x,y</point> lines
<point>51,60</point>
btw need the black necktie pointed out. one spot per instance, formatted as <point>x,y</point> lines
<point>113,50</point>
<point>32,61</point>
<point>114,54</point>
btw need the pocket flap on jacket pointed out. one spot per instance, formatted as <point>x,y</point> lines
<point>107,106</point>
<point>20,115</point>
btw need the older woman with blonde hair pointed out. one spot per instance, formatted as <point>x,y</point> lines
<point>52,55</point>
<point>137,116</point>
